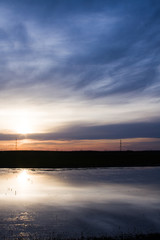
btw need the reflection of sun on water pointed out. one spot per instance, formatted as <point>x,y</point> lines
<point>30,186</point>
<point>23,178</point>
<point>24,184</point>
<point>17,185</point>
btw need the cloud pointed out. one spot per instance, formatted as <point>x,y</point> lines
<point>92,54</point>
<point>115,131</point>
<point>115,57</point>
<point>9,137</point>
<point>110,131</point>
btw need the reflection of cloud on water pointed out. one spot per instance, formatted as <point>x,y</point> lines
<point>109,218</point>
<point>133,175</point>
<point>91,219</point>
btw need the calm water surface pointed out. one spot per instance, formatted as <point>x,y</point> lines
<point>92,202</point>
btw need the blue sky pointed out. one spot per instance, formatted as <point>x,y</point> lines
<point>79,69</point>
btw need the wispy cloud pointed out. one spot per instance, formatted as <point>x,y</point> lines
<point>87,53</point>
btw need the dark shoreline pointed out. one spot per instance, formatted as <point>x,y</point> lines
<point>150,236</point>
<point>78,159</point>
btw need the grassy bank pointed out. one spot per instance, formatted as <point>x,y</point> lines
<point>77,159</point>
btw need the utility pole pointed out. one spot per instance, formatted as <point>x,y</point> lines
<point>16,144</point>
<point>120,145</point>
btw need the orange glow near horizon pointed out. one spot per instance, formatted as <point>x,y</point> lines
<point>84,145</point>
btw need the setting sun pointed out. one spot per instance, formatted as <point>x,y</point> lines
<point>23,123</point>
<point>24,127</point>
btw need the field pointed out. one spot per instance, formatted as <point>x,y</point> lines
<point>77,159</point>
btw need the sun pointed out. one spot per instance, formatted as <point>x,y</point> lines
<point>24,127</point>
<point>23,123</point>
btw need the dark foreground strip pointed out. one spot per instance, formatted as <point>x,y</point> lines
<point>152,236</point>
<point>77,159</point>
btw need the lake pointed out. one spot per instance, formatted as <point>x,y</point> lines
<point>75,202</point>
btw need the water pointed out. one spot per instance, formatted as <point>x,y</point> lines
<point>69,203</point>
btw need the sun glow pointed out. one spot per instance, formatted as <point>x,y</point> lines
<point>24,127</point>
<point>23,123</point>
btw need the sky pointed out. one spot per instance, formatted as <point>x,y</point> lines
<point>80,75</point>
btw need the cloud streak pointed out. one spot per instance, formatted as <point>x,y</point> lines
<point>82,132</point>
<point>115,131</point>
